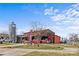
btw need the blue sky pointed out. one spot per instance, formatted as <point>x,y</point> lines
<point>62,18</point>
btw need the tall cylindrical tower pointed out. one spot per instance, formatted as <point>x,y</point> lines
<point>12,32</point>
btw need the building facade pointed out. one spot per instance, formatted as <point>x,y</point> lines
<point>57,39</point>
<point>42,36</point>
<point>12,32</point>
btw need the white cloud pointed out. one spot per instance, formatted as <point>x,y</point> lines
<point>74,27</point>
<point>76,6</point>
<point>75,23</point>
<point>50,11</point>
<point>68,14</point>
<point>72,13</point>
<point>66,21</point>
<point>58,17</point>
<point>69,17</point>
<point>56,10</point>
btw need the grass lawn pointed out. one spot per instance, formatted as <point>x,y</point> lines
<point>72,46</point>
<point>41,46</point>
<point>7,43</point>
<point>36,53</point>
<point>66,45</point>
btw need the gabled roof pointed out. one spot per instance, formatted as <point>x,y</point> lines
<point>45,30</point>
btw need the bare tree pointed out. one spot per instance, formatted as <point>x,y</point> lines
<point>37,26</point>
<point>73,38</point>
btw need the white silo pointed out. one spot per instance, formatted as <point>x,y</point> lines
<point>12,32</point>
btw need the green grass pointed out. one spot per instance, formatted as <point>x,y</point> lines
<point>7,43</point>
<point>67,45</point>
<point>35,53</point>
<point>72,46</point>
<point>41,46</point>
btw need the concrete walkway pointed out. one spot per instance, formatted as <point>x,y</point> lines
<point>20,51</point>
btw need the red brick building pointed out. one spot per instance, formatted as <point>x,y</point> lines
<point>57,39</point>
<point>42,36</point>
